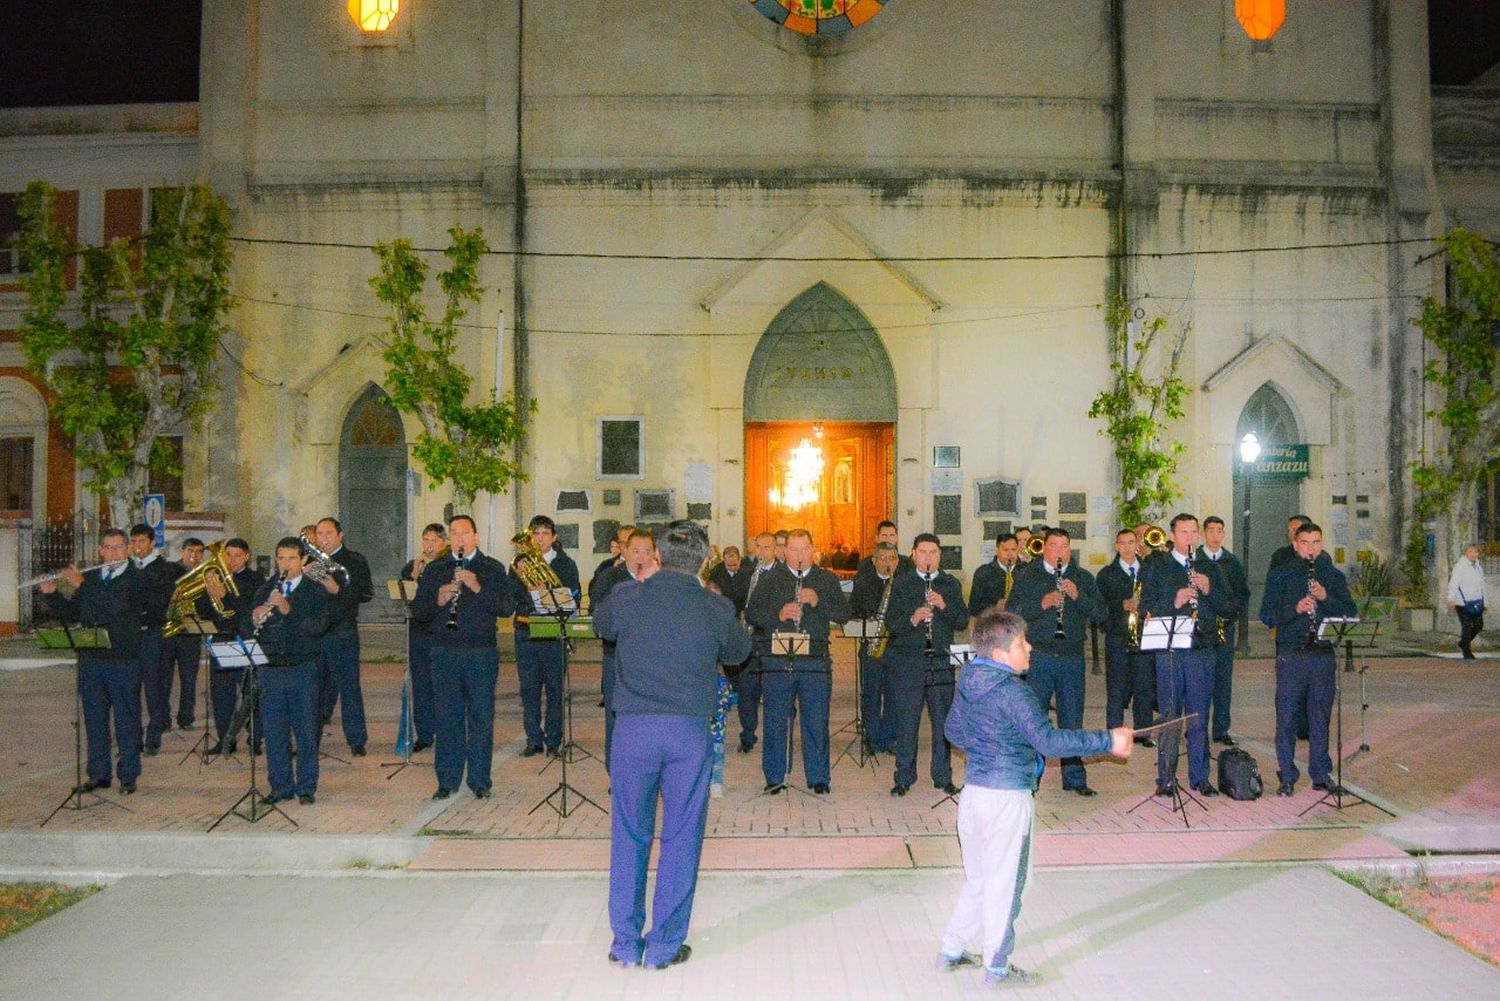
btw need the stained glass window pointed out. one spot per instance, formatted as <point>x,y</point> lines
<point>819,17</point>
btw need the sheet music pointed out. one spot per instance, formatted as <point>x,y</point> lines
<point>1167,633</point>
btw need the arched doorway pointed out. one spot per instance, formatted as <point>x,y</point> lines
<point>372,489</point>
<point>23,448</point>
<point>1270,502</point>
<point>820,414</point>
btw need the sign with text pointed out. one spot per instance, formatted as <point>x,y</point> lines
<point>1282,462</point>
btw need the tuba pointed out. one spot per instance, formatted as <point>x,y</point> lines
<point>320,566</point>
<point>192,585</point>
<point>530,566</point>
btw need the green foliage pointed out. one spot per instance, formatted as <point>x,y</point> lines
<point>1135,411</point>
<point>468,445</point>
<point>133,357</point>
<point>1414,562</point>
<point>1371,578</point>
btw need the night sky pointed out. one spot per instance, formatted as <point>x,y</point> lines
<point>61,52</point>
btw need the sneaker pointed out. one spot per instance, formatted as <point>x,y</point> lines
<point>1011,976</point>
<point>947,964</point>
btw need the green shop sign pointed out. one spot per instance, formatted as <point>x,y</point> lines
<point>1282,462</point>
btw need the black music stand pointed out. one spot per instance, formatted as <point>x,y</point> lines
<point>202,629</point>
<point>247,654</point>
<point>789,646</point>
<point>864,631</point>
<point>1346,632</point>
<point>83,638</point>
<point>1169,634</point>
<point>560,609</point>
<point>406,723</point>
<point>959,655</point>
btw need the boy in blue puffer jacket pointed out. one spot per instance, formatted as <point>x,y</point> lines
<point>997,720</point>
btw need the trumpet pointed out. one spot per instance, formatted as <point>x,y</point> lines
<point>418,565</point>
<point>1035,545</point>
<point>322,566</point>
<point>1155,537</point>
<point>58,574</point>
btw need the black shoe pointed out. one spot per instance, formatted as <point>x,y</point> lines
<point>683,952</point>
<point>127,788</point>
<point>420,746</point>
<point>774,788</point>
<point>484,793</point>
<point>358,752</point>
<point>91,785</point>
<point>442,793</point>
<point>166,727</point>
<point>150,752</point>
<point>213,749</point>
<point>899,790</point>
<point>1145,742</point>
<point>1330,786</point>
<point>531,751</point>
<point>1166,789</point>
<point>747,748</point>
<point>553,752</point>
<point>1205,789</point>
<point>307,799</point>
<point>1084,791</point>
<point>273,799</point>
<point>821,788</point>
<point>949,788</point>
<point>1227,741</point>
<point>1286,789</point>
<point>257,750</point>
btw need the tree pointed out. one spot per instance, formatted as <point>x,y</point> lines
<point>468,445</point>
<point>1135,411</point>
<point>133,359</point>
<point>1465,330</point>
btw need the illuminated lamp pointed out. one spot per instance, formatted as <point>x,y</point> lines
<point>1261,19</point>
<point>374,15</point>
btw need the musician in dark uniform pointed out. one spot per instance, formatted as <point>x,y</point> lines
<point>1284,558</point>
<point>1050,592</point>
<point>1129,675</point>
<point>181,654</point>
<point>340,676</point>
<point>796,597</point>
<point>1305,665</point>
<point>419,644</point>
<point>539,663</point>
<point>1238,586</point>
<point>224,684</point>
<point>460,601</point>
<point>884,532</point>
<point>994,581</point>
<point>1023,544</point>
<point>159,577</point>
<point>637,552</point>
<point>292,615</point>
<point>1178,585</point>
<point>113,597</point>
<point>671,633</point>
<point>870,600</point>
<point>747,683</point>
<point>732,578</point>
<point>926,609</point>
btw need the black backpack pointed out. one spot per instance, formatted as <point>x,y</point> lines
<point>1239,775</point>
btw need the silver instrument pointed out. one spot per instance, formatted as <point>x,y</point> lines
<point>321,566</point>
<point>57,574</point>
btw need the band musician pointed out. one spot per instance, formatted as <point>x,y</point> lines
<point>419,643</point>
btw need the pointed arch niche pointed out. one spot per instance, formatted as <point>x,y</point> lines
<point>1269,415</point>
<point>820,414</point>
<point>372,483</point>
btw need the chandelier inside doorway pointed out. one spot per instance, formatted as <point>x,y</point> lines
<point>801,480</point>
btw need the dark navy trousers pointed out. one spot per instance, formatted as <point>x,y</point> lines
<point>917,680</point>
<point>1063,677</point>
<point>809,684</point>
<point>539,665</point>
<point>1129,679</point>
<point>224,689</point>
<point>748,687</point>
<point>289,708</point>
<point>666,758</point>
<point>1219,721</point>
<point>876,702</point>
<point>1304,689</point>
<point>180,655</point>
<point>153,666</point>
<point>463,686</point>
<point>1184,684</point>
<point>419,662</point>
<point>111,688</point>
<point>340,683</point>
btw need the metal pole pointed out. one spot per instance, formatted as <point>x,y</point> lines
<point>1246,473</point>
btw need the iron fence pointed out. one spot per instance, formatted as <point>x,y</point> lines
<point>50,546</point>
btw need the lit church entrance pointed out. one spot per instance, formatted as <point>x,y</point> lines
<point>820,417</point>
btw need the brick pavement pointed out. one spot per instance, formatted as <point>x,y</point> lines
<point>1435,760</point>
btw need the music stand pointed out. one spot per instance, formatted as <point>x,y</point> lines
<point>1380,611</point>
<point>1348,632</point>
<point>83,638</point>
<point>201,628</point>
<point>864,631</point>
<point>790,646</point>
<point>247,654</point>
<point>405,725</point>
<point>959,655</point>
<point>557,604</point>
<point>1169,634</point>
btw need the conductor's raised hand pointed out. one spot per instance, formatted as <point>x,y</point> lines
<point>1121,741</point>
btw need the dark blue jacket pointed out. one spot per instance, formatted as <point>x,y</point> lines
<point>1032,583</point>
<point>567,571</point>
<point>1285,588</point>
<point>777,587</point>
<point>1164,577</point>
<point>478,614</point>
<point>237,623</point>
<point>998,722</point>
<point>355,589</point>
<point>1235,579</point>
<point>907,595</point>
<point>296,637</point>
<point>988,585</point>
<point>160,580</point>
<point>118,606</point>
<point>670,634</point>
<point>1115,587</point>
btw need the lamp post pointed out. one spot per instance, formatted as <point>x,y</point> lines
<point>1249,452</point>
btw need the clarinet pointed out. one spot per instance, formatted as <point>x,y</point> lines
<point>1312,613</point>
<point>458,562</point>
<point>927,602</point>
<point>1060,633</point>
<point>1193,601</point>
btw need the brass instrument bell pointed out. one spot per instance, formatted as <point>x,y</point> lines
<point>193,585</point>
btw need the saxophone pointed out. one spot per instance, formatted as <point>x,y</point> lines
<point>877,646</point>
<point>1133,620</point>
